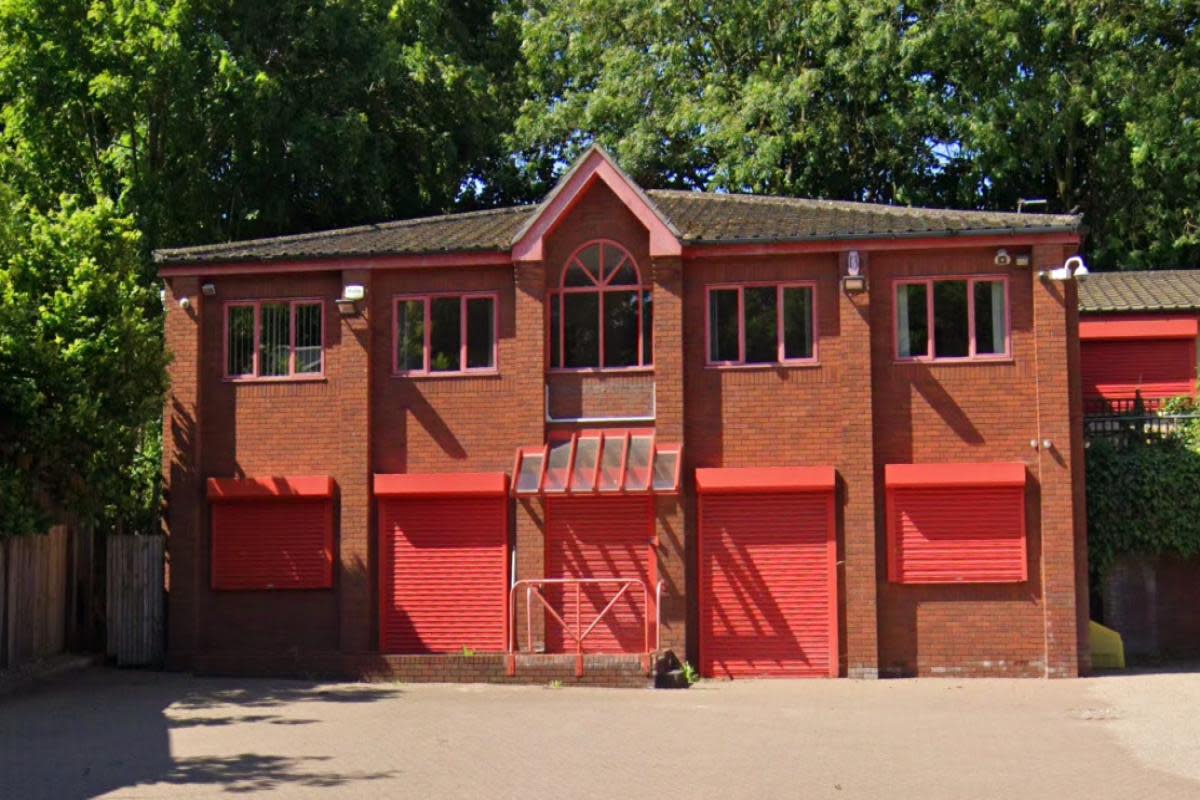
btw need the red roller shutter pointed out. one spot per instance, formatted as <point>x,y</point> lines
<point>768,554</point>
<point>956,523</point>
<point>443,573</point>
<point>1156,368</point>
<point>272,533</point>
<point>601,537</point>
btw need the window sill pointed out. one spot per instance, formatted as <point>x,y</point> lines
<point>776,366</point>
<point>322,378</point>
<point>441,376</point>
<point>647,370</point>
<point>951,362</point>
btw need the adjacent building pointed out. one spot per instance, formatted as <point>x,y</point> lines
<point>770,436</point>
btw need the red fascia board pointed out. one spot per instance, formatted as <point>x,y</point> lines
<point>748,480</point>
<point>915,476</point>
<point>441,484</point>
<point>1139,327</point>
<point>285,488</point>
<point>214,269</point>
<point>701,250</point>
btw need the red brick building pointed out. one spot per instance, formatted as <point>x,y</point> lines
<point>770,436</point>
<point>1138,331</point>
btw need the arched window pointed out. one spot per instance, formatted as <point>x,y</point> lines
<point>600,314</point>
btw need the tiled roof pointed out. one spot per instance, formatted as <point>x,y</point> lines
<point>1152,290</point>
<point>710,217</point>
<point>700,217</point>
<point>473,230</point>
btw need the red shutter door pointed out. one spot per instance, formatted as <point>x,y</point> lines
<point>957,535</point>
<point>768,603</point>
<point>443,574</point>
<point>272,544</point>
<point>1155,367</point>
<point>603,537</point>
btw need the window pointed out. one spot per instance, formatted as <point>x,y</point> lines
<point>274,339</point>
<point>761,324</point>
<point>601,316</point>
<point>958,318</point>
<point>444,334</point>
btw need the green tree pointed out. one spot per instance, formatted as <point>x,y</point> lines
<point>81,364</point>
<point>214,119</point>
<point>969,103</point>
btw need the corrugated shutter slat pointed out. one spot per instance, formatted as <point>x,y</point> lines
<point>272,544</point>
<point>957,535</point>
<point>605,537</point>
<point>768,606</point>
<point>1155,367</point>
<point>444,574</point>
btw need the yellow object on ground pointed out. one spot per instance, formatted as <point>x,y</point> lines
<point>1108,651</point>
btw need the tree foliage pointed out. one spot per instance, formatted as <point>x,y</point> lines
<point>1142,497</point>
<point>81,363</point>
<point>214,119</point>
<point>969,103</point>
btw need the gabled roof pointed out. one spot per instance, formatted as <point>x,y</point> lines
<point>1143,290</point>
<point>674,218</point>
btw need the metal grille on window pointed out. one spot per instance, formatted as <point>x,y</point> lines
<point>240,345</point>
<point>308,338</point>
<point>275,339</point>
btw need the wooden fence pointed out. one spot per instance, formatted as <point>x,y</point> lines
<point>135,600</point>
<point>35,588</point>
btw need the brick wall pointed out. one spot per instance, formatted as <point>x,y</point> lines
<point>855,409</point>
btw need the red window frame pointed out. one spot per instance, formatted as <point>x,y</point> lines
<point>780,358</point>
<point>601,288</point>
<point>257,305</point>
<point>426,299</point>
<point>930,347</point>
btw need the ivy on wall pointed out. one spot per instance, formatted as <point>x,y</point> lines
<point>1143,494</point>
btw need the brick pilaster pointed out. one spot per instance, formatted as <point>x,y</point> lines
<point>184,487</point>
<point>351,467</point>
<point>1059,465</point>
<point>529,366</point>
<point>673,537</point>
<point>857,472</point>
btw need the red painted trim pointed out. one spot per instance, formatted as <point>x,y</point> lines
<point>699,251</point>
<point>752,480</point>
<point>594,166</point>
<point>780,342</point>
<point>997,473</point>
<point>930,323</point>
<point>426,300</point>
<point>1139,327</point>
<point>286,488</point>
<point>473,258</point>
<point>445,484</point>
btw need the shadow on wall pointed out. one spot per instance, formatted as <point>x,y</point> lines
<point>108,730</point>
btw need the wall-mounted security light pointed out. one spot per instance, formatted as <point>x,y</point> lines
<point>347,304</point>
<point>1073,268</point>
<point>1022,259</point>
<point>854,282</point>
<point>209,289</point>
<point>1003,259</point>
<point>1077,267</point>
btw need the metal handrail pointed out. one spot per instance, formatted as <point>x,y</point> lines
<point>533,589</point>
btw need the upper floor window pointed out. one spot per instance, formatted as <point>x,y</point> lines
<point>601,314</point>
<point>444,334</point>
<point>761,324</point>
<point>274,339</point>
<point>956,318</point>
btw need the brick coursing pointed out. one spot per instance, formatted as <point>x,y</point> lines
<point>856,409</point>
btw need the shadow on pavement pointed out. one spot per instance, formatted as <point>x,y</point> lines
<point>103,730</point>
